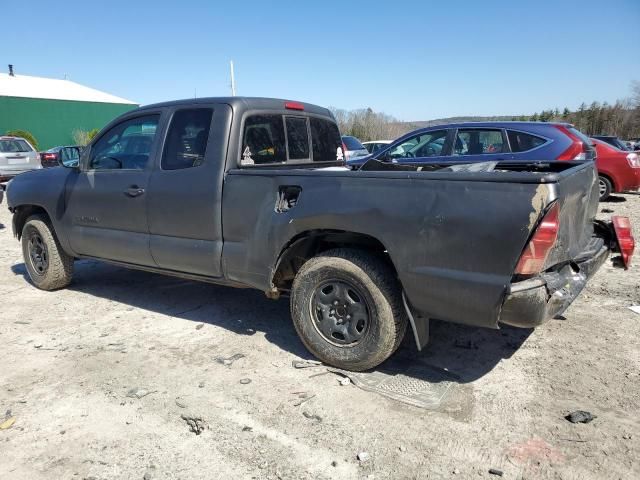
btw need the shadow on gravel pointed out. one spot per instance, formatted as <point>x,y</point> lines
<point>459,353</point>
<point>614,199</point>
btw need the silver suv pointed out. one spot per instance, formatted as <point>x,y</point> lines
<point>17,156</point>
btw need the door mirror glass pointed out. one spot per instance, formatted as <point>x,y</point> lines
<point>70,157</point>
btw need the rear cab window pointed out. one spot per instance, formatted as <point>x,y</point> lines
<point>271,139</point>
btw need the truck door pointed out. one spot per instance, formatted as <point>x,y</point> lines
<point>185,192</point>
<point>106,202</point>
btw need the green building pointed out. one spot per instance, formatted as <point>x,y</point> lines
<point>53,109</point>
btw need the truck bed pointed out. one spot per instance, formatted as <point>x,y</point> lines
<point>454,237</point>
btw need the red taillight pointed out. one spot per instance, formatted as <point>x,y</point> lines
<point>536,252</point>
<point>48,156</point>
<point>622,227</point>
<point>293,106</point>
<point>634,160</point>
<point>577,150</point>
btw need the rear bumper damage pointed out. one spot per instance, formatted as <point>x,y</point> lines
<point>531,302</point>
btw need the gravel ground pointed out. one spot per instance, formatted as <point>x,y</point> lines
<point>113,377</point>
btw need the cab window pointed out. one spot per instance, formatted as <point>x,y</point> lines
<point>186,143</point>
<point>125,146</point>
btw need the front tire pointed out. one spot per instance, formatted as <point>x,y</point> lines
<point>49,267</point>
<point>346,306</point>
<point>604,187</point>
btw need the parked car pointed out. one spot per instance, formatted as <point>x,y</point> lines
<point>618,170</point>
<point>17,155</point>
<point>375,145</point>
<point>67,155</point>
<point>487,141</point>
<point>352,148</point>
<point>612,140</point>
<point>223,195</point>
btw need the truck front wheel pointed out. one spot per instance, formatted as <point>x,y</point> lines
<point>49,267</point>
<point>347,308</point>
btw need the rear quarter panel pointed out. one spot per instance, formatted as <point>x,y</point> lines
<point>453,243</point>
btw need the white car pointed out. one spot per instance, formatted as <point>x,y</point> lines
<point>17,156</point>
<point>374,145</point>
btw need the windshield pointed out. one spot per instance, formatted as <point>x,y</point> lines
<point>14,146</point>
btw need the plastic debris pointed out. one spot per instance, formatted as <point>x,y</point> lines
<point>580,416</point>
<point>7,423</point>
<point>138,392</point>
<point>305,363</point>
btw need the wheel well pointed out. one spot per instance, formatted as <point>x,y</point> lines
<point>309,244</point>
<point>614,188</point>
<point>20,215</point>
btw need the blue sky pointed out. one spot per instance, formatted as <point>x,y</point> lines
<point>416,60</point>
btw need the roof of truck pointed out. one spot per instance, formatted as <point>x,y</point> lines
<point>248,103</point>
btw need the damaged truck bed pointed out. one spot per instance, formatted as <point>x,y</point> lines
<point>264,203</point>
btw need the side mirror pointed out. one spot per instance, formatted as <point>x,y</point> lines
<point>69,157</point>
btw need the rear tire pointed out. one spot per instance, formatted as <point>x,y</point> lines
<point>347,308</point>
<point>604,187</point>
<point>49,267</point>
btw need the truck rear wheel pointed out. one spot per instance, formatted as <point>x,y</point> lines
<point>347,308</point>
<point>49,267</point>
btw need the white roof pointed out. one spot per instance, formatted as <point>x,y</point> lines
<point>53,89</point>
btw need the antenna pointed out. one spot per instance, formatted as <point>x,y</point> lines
<point>233,80</point>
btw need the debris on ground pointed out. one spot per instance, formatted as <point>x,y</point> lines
<point>181,403</point>
<point>580,416</point>
<point>227,362</point>
<point>246,428</point>
<point>311,416</point>
<point>495,471</point>
<point>306,363</point>
<point>344,381</point>
<point>402,448</point>
<point>139,392</point>
<point>199,326</point>
<point>22,322</point>
<point>196,424</point>
<point>635,308</point>
<point>7,423</point>
<point>302,397</point>
<point>245,381</point>
<point>606,210</point>
<point>201,385</point>
<point>363,457</point>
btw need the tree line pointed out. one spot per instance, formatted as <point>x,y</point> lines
<point>621,119</point>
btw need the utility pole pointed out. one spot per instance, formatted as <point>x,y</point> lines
<point>233,80</point>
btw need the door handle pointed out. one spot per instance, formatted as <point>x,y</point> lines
<point>134,191</point>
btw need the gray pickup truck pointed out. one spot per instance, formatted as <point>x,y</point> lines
<point>253,192</point>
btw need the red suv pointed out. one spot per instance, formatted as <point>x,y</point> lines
<point>618,170</point>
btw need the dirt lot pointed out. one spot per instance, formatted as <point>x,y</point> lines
<point>73,364</point>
